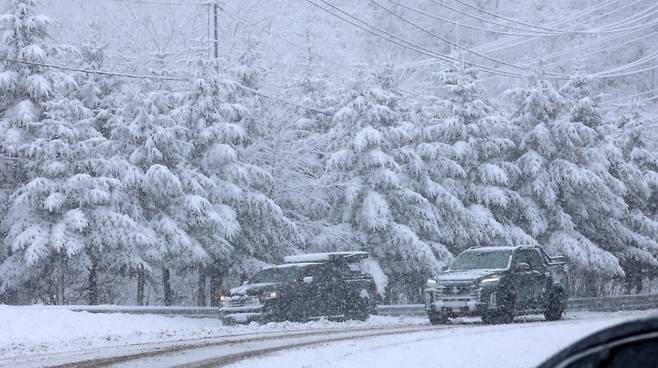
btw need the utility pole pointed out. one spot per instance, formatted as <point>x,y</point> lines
<point>215,10</point>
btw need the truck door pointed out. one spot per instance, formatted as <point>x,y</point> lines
<point>318,292</point>
<point>541,277</point>
<point>522,280</point>
<point>335,289</point>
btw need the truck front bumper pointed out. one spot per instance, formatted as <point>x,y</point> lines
<point>245,309</point>
<point>474,304</point>
<point>246,314</point>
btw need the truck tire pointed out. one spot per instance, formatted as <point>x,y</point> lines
<point>554,308</point>
<point>504,314</point>
<point>358,311</point>
<point>438,318</point>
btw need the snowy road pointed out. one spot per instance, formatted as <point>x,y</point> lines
<point>465,345</point>
<point>381,342</point>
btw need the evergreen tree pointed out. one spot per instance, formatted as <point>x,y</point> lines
<point>215,123</point>
<point>633,160</point>
<point>68,214</point>
<point>373,202</point>
<point>576,208</point>
<point>23,87</point>
<point>466,147</point>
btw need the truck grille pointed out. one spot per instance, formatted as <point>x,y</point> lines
<point>241,301</point>
<point>455,290</point>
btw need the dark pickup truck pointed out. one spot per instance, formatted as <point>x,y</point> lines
<point>305,287</point>
<point>497,284</point>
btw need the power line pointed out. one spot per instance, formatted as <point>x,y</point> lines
<point>466,25</point>
<point>89,71</point>
<point>443,5</point>
<point>604,75</point>
<point>599,30</point>
<point>507,43</point>
<point>631,97</point>
<point>168,3</point>
<point>453,43</point>
<point>634,18</point>
<point>639,61</point>
<point>156,77</point>
<point>550,29</point>
<point>402,42</point>
<point>509,19</point>
<point>554,55</point>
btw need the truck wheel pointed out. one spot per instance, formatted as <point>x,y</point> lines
<point>438,319</point>
<point>360,311</point>
<point>554,308</point>
<point>504,314</point>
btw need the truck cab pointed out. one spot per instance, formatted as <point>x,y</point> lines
<point>498,284</point>
<point>305,287</point>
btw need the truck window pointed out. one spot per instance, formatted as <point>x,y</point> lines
<point>535,259</point>
<point>481,259</point>
<point>277,274</point>
<point>520,256</point>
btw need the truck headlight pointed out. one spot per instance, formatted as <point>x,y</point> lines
<point>269,295</point>
<point>431,283</point>
<point>492,281</point>
<point>222,298</point>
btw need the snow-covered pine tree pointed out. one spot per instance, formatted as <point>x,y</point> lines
<point>633,160</point>
<point>374,205</point>
<point>23,87</point>
<point>177,201</point>
<point>574,204</point>
<point>466,146</point>
<point>68,210</point>
<point>291,145</point>
<point>215,121</point>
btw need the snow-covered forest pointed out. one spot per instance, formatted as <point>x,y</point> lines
<point>140,164</point>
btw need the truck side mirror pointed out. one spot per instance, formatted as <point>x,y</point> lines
<point>522,267</point>
<point>308,280</point>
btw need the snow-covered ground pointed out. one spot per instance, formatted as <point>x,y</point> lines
<point>38,331</point>
<point>466,345</point>
<point>30,330</point>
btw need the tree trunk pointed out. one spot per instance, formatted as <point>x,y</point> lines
<point>166,284</point>
<point>92,286</point>
<point>61,281</point>
<point>215,288</point>
<point>140,285</point>
<point>201,288</point>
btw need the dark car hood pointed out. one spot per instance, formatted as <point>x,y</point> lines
<point>254,289</point>
<point>467,275</point>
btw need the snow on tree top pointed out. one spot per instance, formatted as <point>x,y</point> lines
<point>325,257</point>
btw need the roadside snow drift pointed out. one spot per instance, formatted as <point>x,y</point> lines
<point>28,330</point>
<point>40,328</point>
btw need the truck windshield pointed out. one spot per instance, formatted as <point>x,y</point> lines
<point>474,260</point>
<point>279,274</point>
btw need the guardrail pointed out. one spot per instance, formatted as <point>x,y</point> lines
<point>615,303</point>
<point>600,304</point>
<point>195,312</point>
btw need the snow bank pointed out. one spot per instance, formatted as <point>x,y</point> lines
<point>41,324</point>
<point>26,330</point>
